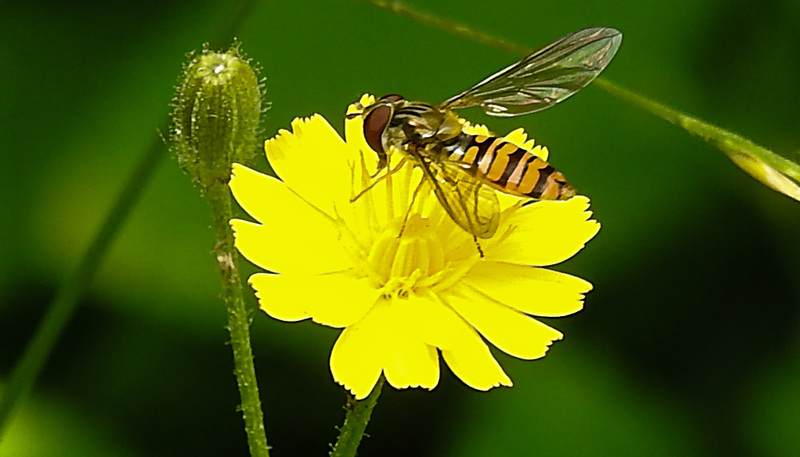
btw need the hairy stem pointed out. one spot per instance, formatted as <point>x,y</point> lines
<point>239,319</point>
<point>355,422</point>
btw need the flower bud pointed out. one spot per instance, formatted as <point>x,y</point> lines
<point>770,176</point>
<point>216,115</point>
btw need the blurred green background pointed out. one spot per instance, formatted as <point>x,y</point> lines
<point>689,345</point>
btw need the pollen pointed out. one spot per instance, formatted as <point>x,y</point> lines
<point>405,254</point>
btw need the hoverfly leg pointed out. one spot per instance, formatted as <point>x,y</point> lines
<point>478,245</point>
<point>366,189</point>
<point>390,171</point>
<point>381,166</point>
<point>410,206</point>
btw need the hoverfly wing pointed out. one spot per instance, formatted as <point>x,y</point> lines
<point>545,77</point>
<point>469,203</point>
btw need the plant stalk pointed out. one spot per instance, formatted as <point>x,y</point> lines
<point>355,422</point>
<point>239,319</point>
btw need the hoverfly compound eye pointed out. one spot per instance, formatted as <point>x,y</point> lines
<point>375,124</point>
<point>392,98</point>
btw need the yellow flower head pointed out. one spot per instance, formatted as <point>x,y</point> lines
<point>405,283</point>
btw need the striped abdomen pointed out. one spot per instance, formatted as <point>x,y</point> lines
<point>509,168</point>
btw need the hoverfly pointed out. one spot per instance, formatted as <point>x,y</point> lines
<point>464,170</point>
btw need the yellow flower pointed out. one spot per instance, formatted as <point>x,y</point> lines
<point>402,300</point>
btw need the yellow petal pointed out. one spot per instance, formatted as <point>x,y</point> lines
<point>335,300</point>
<point>273,300</point>
<point>433,322</point>
<point>410,362</point>
<point>340,299</point>
<point>359,355</point>
<point>540,151</point>
<point>295,235</point>
<point>511,331</point>
<point>507,201</point>
<point>543,233</point>
<point>277,247</point>
<point>476,129</point>
<point>475,365</point>
<point>313,161</point>
<point>518,137</point>
<point>266,198</point>
<point>529,289</point>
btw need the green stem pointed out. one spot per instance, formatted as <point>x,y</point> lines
<point>63,306</point>
<point>239,319</point>
<point>453,27</point>
<point>355,422</point>
<point>727,141</point>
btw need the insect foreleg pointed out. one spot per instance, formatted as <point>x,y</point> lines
<point>478,245</point>
<point>390,171</point>
<point>410,206</point>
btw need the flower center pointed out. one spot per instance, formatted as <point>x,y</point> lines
<point>405,255</point>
